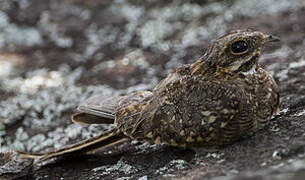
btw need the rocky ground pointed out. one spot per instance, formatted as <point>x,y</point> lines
<point>56,53</point>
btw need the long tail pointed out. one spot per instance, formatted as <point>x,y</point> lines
<point>100,142</point>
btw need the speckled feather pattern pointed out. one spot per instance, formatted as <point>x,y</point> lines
<point>190,111</point>
<point>210,103</point>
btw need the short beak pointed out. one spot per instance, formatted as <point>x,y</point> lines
<point>271,38</point>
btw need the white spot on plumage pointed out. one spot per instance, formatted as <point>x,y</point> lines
<point>251,71</point>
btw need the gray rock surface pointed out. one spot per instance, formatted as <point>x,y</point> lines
<point>55,54</point>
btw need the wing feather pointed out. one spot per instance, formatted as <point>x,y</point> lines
<point>102,109</point>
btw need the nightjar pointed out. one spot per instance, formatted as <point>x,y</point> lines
<point>211,103</point>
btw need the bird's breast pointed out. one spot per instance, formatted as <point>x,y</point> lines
<point>262,94</point>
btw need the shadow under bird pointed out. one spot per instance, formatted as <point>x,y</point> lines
<point>210,103</point>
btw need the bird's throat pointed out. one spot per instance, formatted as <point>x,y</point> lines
<point>249,66</point>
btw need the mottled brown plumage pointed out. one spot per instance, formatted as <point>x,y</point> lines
<point>209,103</point>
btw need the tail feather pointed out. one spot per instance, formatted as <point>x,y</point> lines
<point>100,142</point>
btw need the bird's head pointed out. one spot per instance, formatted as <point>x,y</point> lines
<point>235,52</point>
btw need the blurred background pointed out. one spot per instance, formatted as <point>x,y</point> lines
<point>56,53</point>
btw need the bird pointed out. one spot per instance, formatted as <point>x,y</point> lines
<point>210,103</point>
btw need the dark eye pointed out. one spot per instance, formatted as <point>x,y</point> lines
<point>239,47</point>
